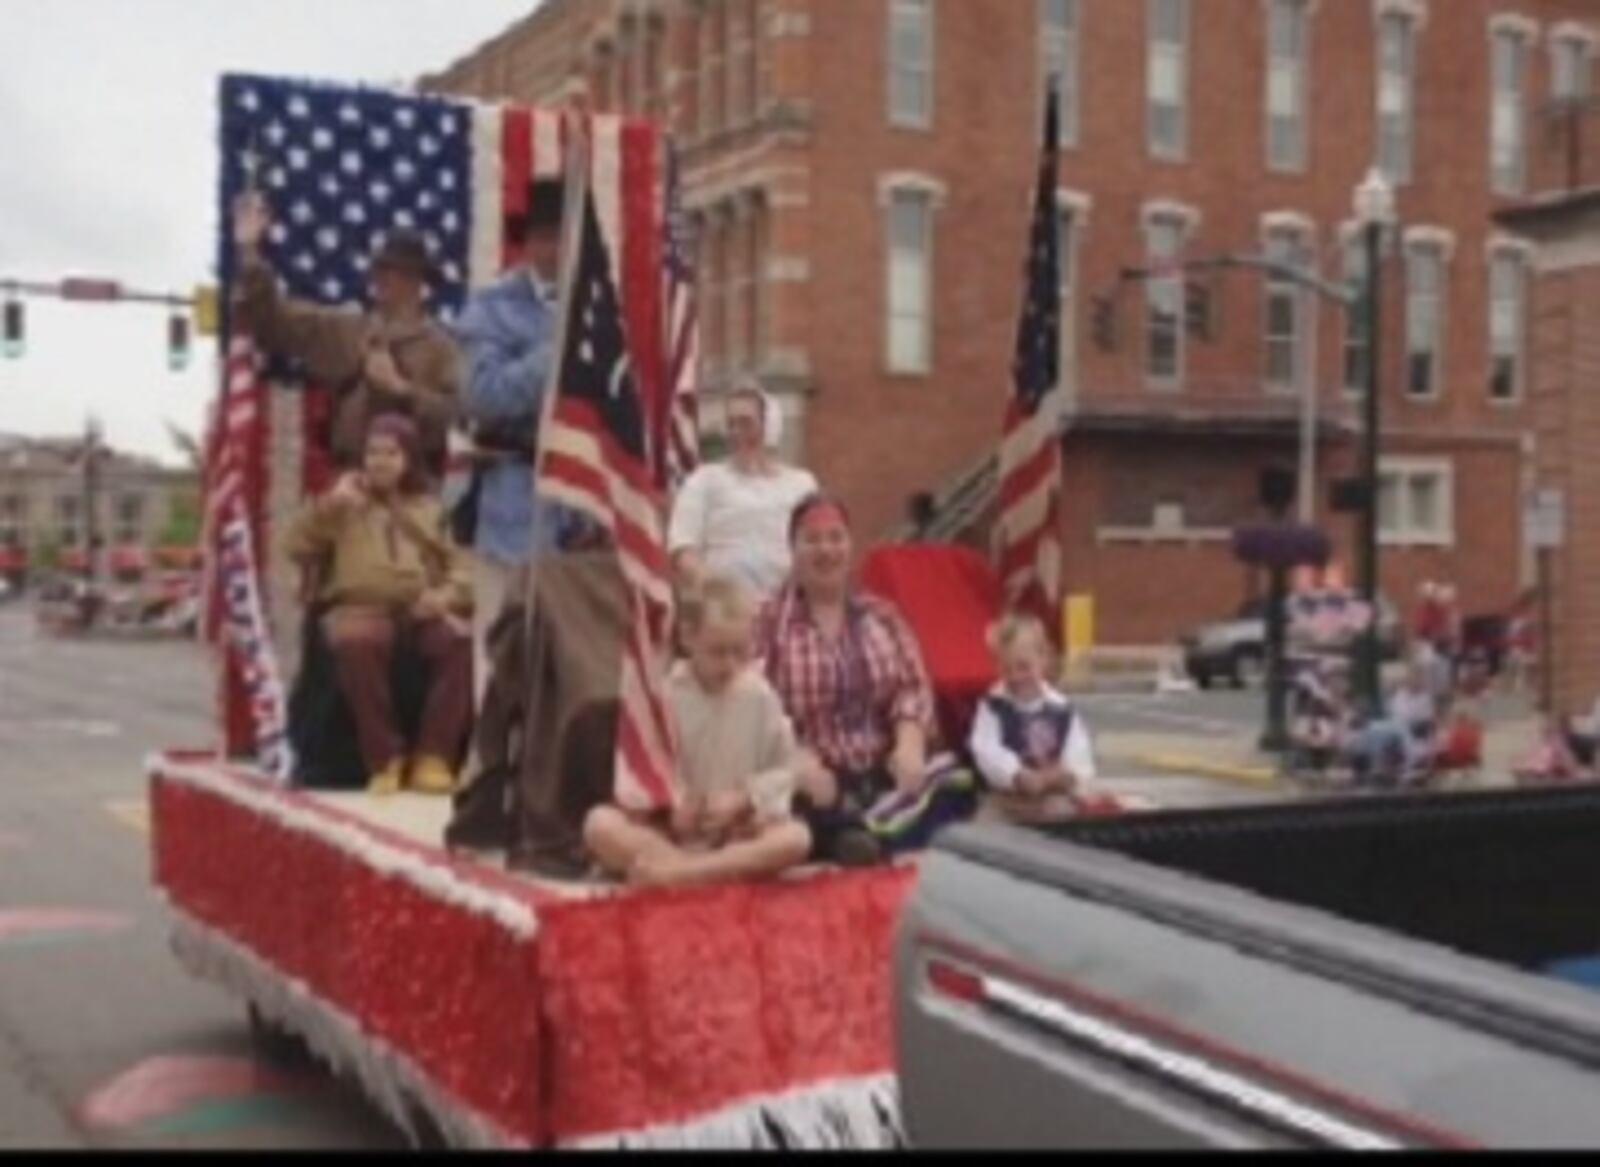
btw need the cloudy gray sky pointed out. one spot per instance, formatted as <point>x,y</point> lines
<point>108,168</point>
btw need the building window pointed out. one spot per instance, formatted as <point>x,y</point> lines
<point>911,64</point>
<point>69,513</point>
<point>1425,287</point>
<point>743,293</point>
<point>1288,39</point>
<point>1357,343</point>
<point>1164,239</point>
<point>1068,243</point>
<point>710,269</point>
<point>1058,50</point>
<point>1416,503</point>
<point>1285,315</point>
<point>1508,298</point>
<point>1508,117</point>
<point>713,26</point>
<point>1571,67</point>
<point>910,282</point>
<point>1167,78</point>
<point>130,519</point>
<point>1397,56</point>
<point>741,57</point>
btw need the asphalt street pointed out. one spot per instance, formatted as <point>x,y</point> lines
<point>104,1041</point>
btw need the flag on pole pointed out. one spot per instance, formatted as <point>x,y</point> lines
<point>1028,538</point>
<point>595,459</point>
<point>682,334</point>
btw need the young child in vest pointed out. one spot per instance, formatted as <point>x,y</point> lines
<point>736,763</point>
<point>1028,741</point>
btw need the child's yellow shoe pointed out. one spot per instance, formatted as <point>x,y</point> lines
<point>386,783</point>
<point>433,776</point>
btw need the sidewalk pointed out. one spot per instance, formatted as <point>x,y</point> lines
<point>1237,760</point>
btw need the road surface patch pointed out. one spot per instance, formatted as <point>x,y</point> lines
<point>35,927</point>
<point>135,815</point>
<point>181,1095</point>
<point>1257,776</point>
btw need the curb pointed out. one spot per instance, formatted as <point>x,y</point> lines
<point>1255,776</point>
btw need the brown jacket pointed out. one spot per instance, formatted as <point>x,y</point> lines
<point>381,554</point>
<point>332,344</point>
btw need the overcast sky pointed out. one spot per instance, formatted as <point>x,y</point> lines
<point>108,168</point>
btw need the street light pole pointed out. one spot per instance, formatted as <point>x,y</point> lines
<point>1375,210</point>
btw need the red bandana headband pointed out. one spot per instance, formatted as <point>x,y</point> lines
<point>822,516</point>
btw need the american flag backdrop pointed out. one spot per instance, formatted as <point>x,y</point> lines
<point>1028,524</point>
<point>595,458</point>
<point>339,168</point>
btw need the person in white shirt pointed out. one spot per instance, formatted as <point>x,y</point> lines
<point>1028,740</point>
<point>732,518</point>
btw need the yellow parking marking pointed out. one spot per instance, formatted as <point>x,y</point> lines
<point>133,815</point>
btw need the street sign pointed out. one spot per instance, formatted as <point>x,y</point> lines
<point>1545,521</point>
<point>90,291</point>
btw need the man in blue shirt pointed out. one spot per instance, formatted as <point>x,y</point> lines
<point>508,333</point>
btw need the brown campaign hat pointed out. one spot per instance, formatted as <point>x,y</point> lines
<point>404,251</point>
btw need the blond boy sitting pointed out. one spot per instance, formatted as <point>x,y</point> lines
<point>736,759</point>
<point>1028,740</point>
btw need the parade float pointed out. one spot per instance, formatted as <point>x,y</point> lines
<point>472,1005</point>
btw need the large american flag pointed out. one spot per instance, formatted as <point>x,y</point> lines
<point>340,167</point>
<point>1028,525</point>
<point>595,458</point>
<point>683,335</point>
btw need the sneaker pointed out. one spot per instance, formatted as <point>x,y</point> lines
<point>857,848</point>
<point>386,783</point>
<point>432,776</point>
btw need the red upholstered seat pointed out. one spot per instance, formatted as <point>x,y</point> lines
<point>949,595</point>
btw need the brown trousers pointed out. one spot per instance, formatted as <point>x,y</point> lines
<point>362,640</point>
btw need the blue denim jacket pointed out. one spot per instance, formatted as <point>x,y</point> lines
<point>508,333</point>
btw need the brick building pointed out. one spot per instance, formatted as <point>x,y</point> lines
<point>44,505</point>
<point>860,172</point>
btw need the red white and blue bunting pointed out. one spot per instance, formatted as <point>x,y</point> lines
<point>251,641</point>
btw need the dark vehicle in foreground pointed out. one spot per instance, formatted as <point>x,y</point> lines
<point>1391,973</point>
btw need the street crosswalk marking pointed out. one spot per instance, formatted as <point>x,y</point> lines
<point>134,814</point>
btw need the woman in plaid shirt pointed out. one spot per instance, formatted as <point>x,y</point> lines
<point>851,677</point>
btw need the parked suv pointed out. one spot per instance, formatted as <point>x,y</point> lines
<point>1235,651</point>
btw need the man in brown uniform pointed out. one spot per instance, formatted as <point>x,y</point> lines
<point>393,359</point>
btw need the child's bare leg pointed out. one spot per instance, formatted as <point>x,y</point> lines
<point>772,850</point>
<point>619,843</point>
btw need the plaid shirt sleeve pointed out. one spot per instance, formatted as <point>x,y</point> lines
<point>902,665</point>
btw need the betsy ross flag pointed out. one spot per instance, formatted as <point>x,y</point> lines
<point>595,458</point>
<point>682,336</point>
<point>340,167</point>
<point>1028,537</point>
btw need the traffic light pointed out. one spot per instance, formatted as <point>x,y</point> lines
<point>206,315</point>
<point>15,330</point>
<point>178,342</point>
<point>1104,323</point>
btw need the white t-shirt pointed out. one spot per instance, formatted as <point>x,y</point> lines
<point>739,523</point>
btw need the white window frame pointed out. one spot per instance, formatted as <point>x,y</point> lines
<point>1425,243</point>
<point>1302,240</point>
<point>1576,45</point>
<point>1353,264</point>
<point>1301,87</point>
<point>1502,252</point>
<point>1154,49</point>
<point>1060,58</point>
<point>1073,208</point>
<point>1399,167</point>
<point>1183,221</point>
<point>896,191</point>
<point>1508,105</point>
<point>1405,532</point>
<point>923,117</point>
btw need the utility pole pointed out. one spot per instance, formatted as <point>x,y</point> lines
<point>91,503</point>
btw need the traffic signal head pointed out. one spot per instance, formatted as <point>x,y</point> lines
<point>178,342</point>
<point>15,339</point>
